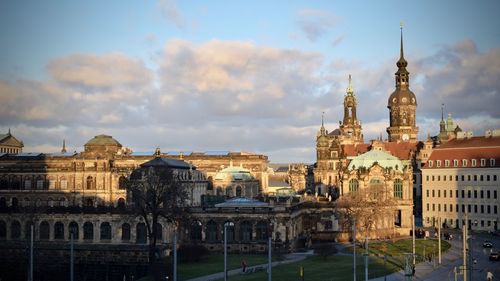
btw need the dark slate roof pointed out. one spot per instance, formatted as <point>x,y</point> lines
<point>167,162</point>
<point>103,140</point>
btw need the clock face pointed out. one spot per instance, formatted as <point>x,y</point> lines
<point>405,137</point>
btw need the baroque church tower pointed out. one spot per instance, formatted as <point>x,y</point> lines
<point>350,127</point>
<point>402,105</point>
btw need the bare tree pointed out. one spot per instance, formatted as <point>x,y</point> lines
<point>371,209</point>
<point>157,193</point>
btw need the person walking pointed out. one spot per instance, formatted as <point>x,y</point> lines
<point>489,276</point>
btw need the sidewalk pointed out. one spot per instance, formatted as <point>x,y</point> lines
<point>289,258</point>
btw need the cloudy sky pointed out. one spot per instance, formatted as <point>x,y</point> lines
<point>238,75</point>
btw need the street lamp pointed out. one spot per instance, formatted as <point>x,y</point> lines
<point>226,224</point>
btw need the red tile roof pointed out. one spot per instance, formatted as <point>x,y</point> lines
<point>469,148</point>
<point>401,150</point>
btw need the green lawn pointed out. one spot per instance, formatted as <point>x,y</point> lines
<point>322,269</point>
<point>215,263</point>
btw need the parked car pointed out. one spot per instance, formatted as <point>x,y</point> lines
<point>495,233</point>
<point>487,244</point>
<point>494,256</point>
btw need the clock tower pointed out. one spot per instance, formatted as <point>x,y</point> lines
<point>402,105</point>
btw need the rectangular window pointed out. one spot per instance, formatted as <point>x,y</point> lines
<point>39,184</point>
<point>475,177</point>
<point>433,178</point>
<point>439,178</point>
<point>438,163</point>
<point>451,207</point>
<point>456,208</point>
<point>482,209</point>
<point>433,207</point>
<point>492,162</point>
<point>464,162</point>
<point>494,194</point>
<point>483,162</point>
<point>427,207</point>
<point>463,193</point>
<point>444,193</point>
<point>468,177</point>
<point>488,209</point>
<point>474,162</point>
<point>482,193</point>
<point>487,194</point>
<point>27,184</point>
<point>427,178</point>
<point>446,163</point>
<point>439,193</point>
<point>463,178</point>
<point>451,178</point>
<point>456,193</point>
<point>463,208</point>
<point>494,177</point>
<point>469,208</point>
<point>475,208</point>
<point>433,194</point>
<point>451,193</point>
<point>488,177</point>
<point>427,193</point>
<point>494,209</point>
<point>481,178</point>
<point>430,163</point>
<point>444,206</point>
<point>456,177</point>
<point>455,163</point>
<point>475,193</point>
<point>444,178</point>
<point>439,207</point>
<point>468,193</point>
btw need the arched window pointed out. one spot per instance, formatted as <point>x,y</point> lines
<point>261,231</point>
<point>4,184</point>
<point>44,230</point>
<point>159,232</point>
<point>52,183</point>
<point>27,230</point>
<point>238,191</point>
<point>125,232</point>
<point>63,184</point>
<point>398,188</point>
<point>3,230</point>
<point>16,183</point>
<point>121,203</point>
<point>246,231</point>
<point>15,203</point>
<point>88,231</point>
<point>89,202</point>
<point>15,230</point>
<point>105,231</point>
<point>27,184</point>
<point>122,183</point>
<point>196,231</point>
<point>58,230</point>
<point>376,188</point>
<point>90,182</point>
<point>73,229</point>
<point>141,233</point>
<point>39,183</point>
<point>353,185</point>
<point>212,231</point>
<point>3,203</point>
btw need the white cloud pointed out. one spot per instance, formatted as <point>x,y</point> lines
<point>315,23</point>
<point>169,11</point>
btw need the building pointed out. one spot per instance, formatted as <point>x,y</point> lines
<point>9,144</point>
<point>461,182</point>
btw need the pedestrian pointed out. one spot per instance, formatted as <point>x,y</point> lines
<point>244,265</point>
<point>413,270</point>
<point>489,276</point>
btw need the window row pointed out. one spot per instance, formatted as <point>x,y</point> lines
<point>56,202</point>
<point>478,209</point>
<point>9,150</point>
<point>50,183</point>
<point>461,178</point>
<point>43,231</point>
<point>459,223</point>
<point>483,194</point>
<point>463,162</point>
<point>377,183</point>
<point>244,231</point>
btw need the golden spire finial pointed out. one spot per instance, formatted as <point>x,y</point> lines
<point>401,24</point>
<point>349,88</point>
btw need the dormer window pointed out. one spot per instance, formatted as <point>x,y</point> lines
<point>474,162</point>
<point>438,163</point>
<point>430,163</point>
<point>483,162</point>
<point>455,163</point>
<point>446,163</point>
<point>464,162</point>
<point>492,162</point>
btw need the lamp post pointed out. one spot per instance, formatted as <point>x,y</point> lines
<point>226,224</point>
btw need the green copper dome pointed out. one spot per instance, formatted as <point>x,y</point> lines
<point>371,157</point>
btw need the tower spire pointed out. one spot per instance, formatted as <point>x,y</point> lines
<point>349,89</point>
<point>442,112</point>
<point>401,27</point>
<point>63,150</point>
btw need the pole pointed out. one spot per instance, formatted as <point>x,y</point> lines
<point>225,251</point>
<point>174,246</point>
<point>439,241</point>
<point>269,270</point>
<point>385,261</point>
<point>354,251</point>
<point>366,259</point>
<point>471,259</point>
<point>71,262</point>
<point>464,248</point>
<point>31,253</point>
<point>413,232</point>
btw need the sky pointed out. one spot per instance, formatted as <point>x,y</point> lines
<point>250,76</point>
